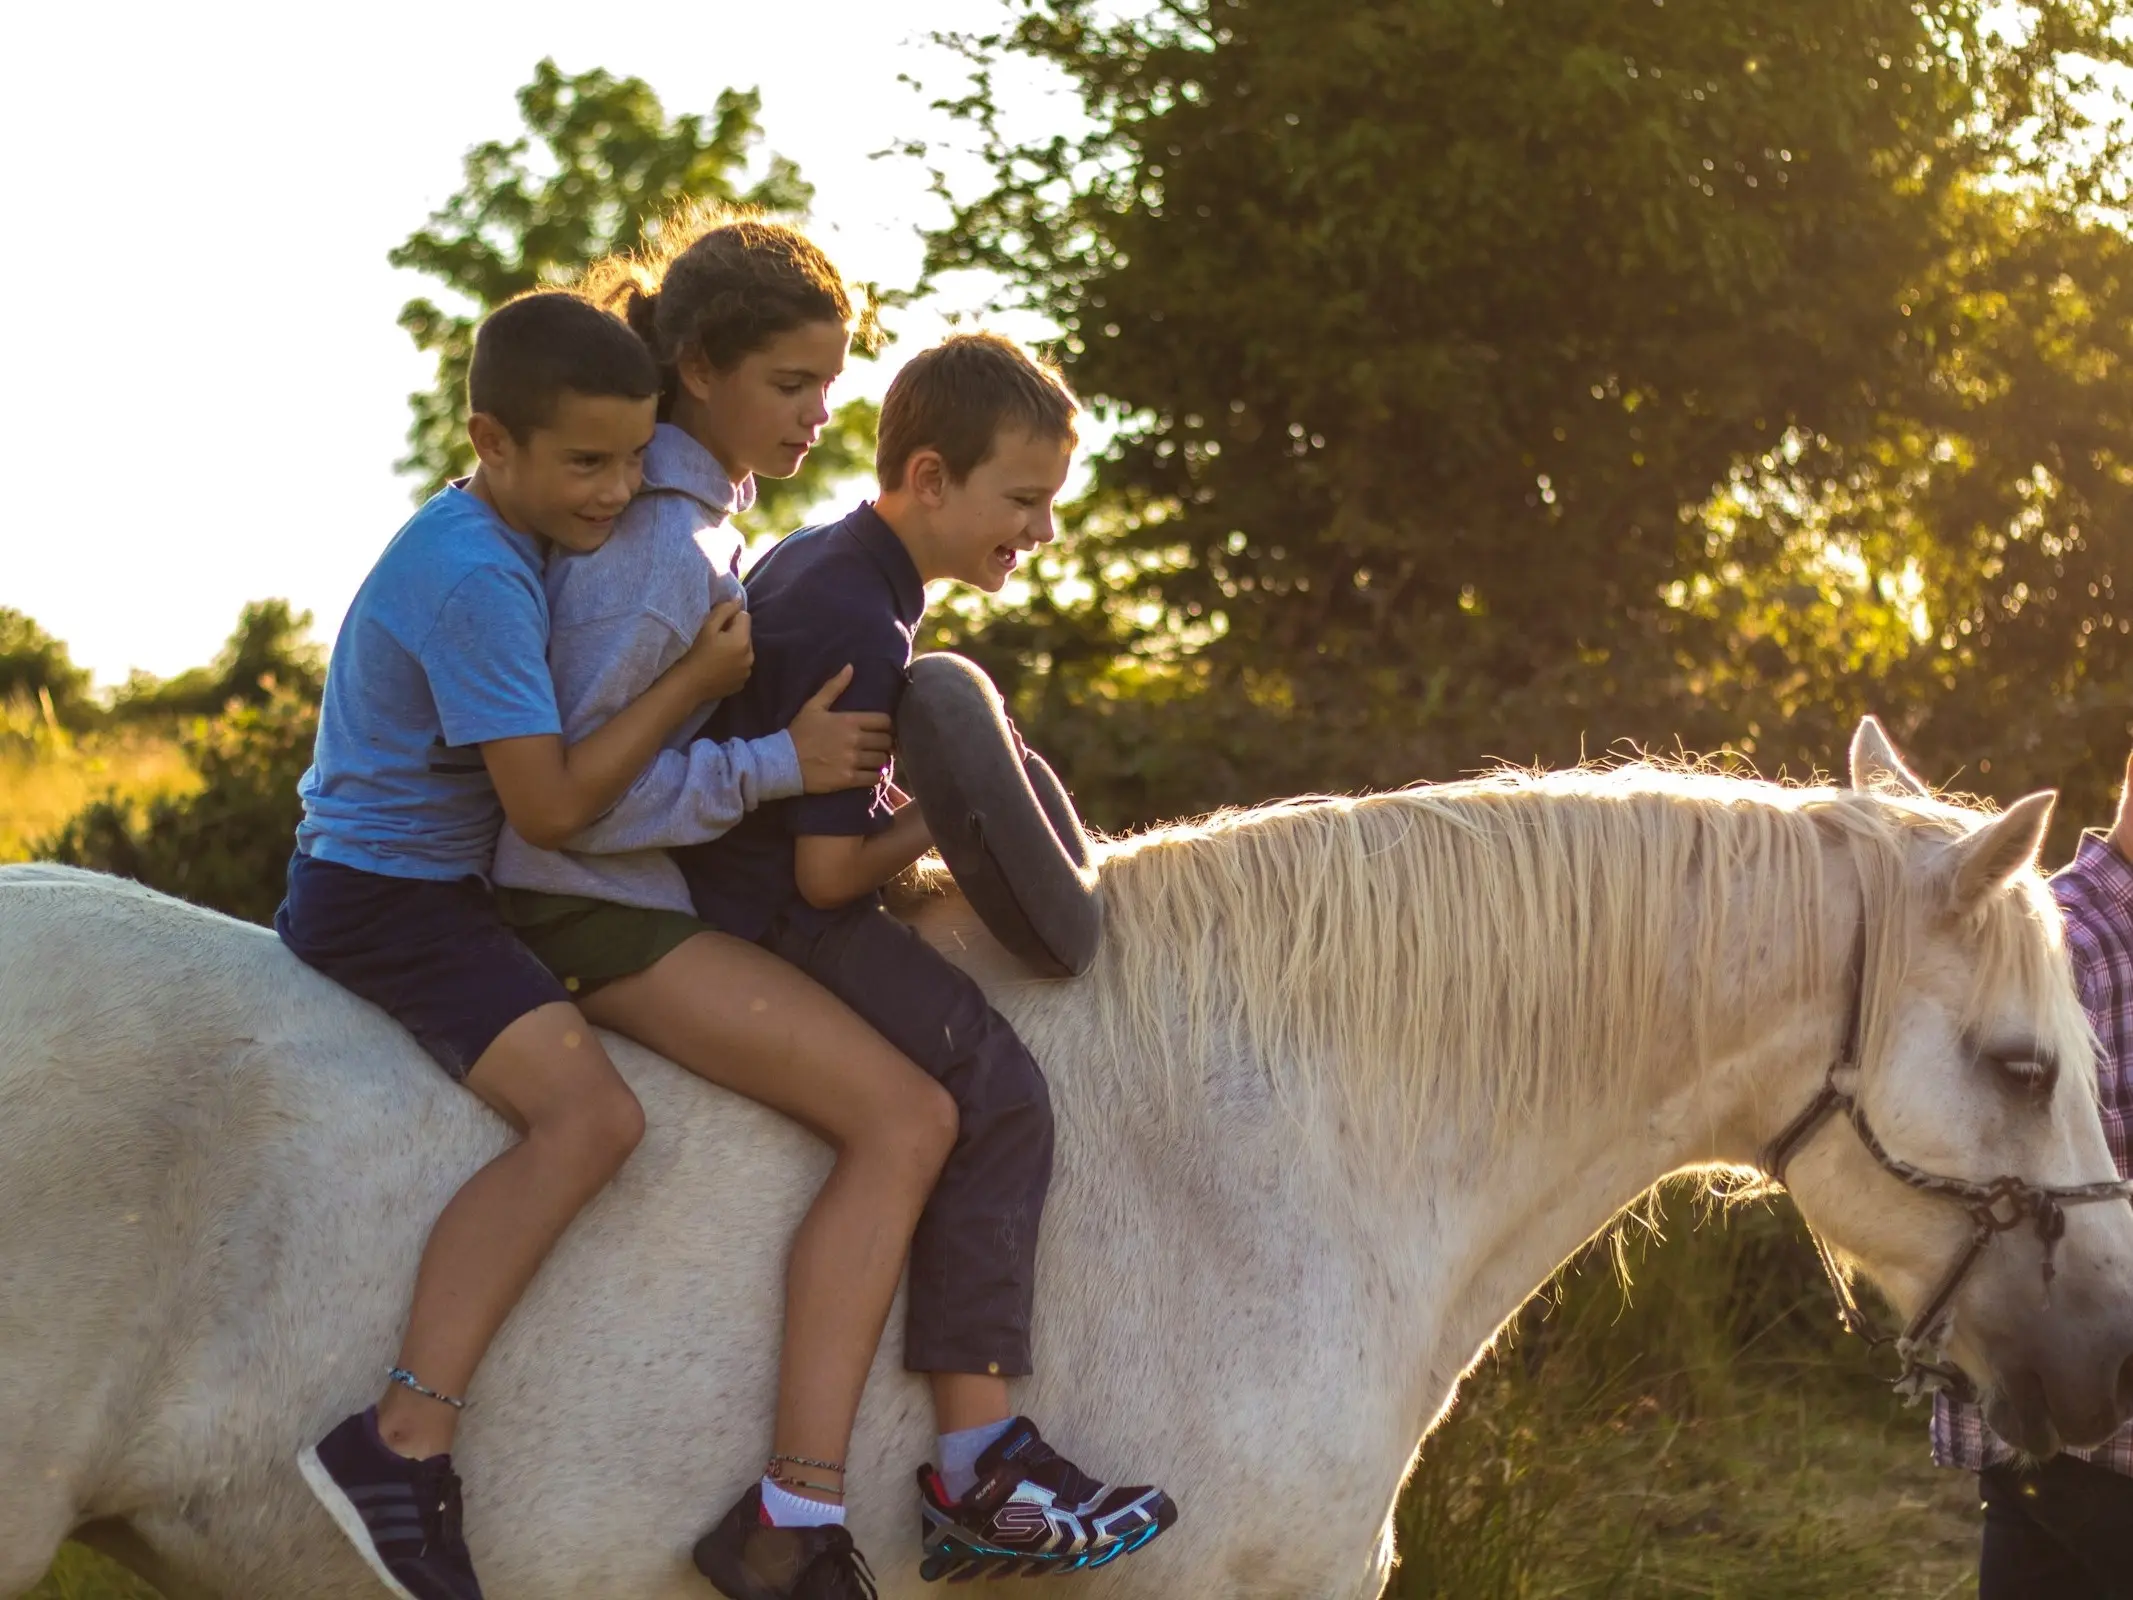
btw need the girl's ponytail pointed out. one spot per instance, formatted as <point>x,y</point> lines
<point>640,309</point>
<point>623,285</point>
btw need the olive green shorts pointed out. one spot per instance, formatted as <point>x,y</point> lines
<point>588,944</point>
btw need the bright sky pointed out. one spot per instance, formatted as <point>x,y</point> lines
<point>205,387</point>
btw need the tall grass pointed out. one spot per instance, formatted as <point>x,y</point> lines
<point>1709,1433</point>
<point>48,775</point>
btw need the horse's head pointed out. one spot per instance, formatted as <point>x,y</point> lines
<point>1961,1161</point>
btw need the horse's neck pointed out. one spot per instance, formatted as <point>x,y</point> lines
<point>1445,1245</point>
<point>1487,1230</point>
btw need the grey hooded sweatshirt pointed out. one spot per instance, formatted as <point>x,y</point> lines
<point>619,617</point>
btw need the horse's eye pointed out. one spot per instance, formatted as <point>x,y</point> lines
<point>2028,1073</point>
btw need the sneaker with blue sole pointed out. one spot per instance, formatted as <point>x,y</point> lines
<point>1032,1514</point>
<point>402,1515</point>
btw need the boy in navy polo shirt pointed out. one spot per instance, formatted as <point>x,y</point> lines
<point>439,721</point>
<point>975,442</point>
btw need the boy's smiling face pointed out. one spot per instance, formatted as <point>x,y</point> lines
<point>569,479</point>
<point>979,529</point>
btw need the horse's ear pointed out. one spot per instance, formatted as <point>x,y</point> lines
<point>1991,857</point>
<point>1875,763</point>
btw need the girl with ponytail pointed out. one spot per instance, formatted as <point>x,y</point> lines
<point>750,326</point>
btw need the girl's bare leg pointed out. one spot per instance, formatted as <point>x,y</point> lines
<point>743,1019</point>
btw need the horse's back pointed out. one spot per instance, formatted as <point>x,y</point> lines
<point>216,1172</point>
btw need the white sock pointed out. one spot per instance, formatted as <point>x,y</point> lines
<point>959,1456</point>
<point>788,1510</point>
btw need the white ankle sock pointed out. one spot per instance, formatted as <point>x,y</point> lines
<point>788,1510</point>
<point>959,1455</point>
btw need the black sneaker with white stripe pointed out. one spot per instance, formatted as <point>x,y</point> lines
<point>403,1516</point>
<point>1032,1513</point>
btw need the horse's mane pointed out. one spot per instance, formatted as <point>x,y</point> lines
<point>1477,950</point>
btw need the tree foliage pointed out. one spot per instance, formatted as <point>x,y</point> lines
<point>269,652</point>
<point>599,165</point>
<point>226,847</point>
<point>36,666</point>
<point>247,723</point>
<point>1507,380</point>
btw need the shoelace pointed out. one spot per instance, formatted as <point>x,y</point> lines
<point>843,1570</point>
<point>443,1510</point>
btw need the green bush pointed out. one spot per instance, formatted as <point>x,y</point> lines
<point>228,845</point>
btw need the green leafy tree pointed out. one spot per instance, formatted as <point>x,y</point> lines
<point>36,666</point>
<point>270,652</point>
<point>600,163</point>
<point>1505,380</point>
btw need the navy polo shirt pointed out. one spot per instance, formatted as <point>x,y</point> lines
<point>844,593</point>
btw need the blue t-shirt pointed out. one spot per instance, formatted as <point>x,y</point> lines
<point>444,649</point>
<point>844,593</point>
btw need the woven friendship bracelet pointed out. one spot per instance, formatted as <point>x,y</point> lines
<point>407,1380</point>
<point>810,1461</point>
<point>776,1472</point>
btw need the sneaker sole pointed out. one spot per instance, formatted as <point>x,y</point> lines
<point>347,1518</point>
<point>958,1556</point>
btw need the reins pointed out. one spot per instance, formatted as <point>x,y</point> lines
<point>1994,1208</point>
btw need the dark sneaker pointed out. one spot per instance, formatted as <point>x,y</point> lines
<point>747,1559</point>
<point>1032,1513</point>
<point>403,1516</point>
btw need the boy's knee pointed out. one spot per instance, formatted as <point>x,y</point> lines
<point>1015,1086</point>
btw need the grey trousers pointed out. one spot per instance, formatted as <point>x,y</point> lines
<point>974,1257</point>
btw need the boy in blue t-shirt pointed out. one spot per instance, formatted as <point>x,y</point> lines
<point>438,722</point>
<point>975,442</point>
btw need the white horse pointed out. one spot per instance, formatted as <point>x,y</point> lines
<point>1350,1079</point>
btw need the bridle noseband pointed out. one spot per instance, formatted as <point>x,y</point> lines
<point>1994,1208</point>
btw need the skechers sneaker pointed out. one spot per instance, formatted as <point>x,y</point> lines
<point>746,1558</point>
<point>403,1516</point>
<point>1031,1514</point>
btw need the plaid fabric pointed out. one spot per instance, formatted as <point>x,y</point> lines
<point>2096,892</point>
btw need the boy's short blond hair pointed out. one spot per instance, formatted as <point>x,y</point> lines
<point>957,398</point>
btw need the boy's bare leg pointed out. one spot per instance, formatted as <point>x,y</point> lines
<point>547,1075</point>
<point>968,1400</point>
<point>741,1018</point>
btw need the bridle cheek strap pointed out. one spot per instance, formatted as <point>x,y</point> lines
<point>1994,1208</point>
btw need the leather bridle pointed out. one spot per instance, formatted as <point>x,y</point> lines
<point>1994,1208</point>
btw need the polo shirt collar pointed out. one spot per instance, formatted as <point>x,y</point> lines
<point>676,464</point>
<point>887,551</point>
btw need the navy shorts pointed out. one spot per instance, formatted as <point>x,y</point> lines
<point>433,955</point>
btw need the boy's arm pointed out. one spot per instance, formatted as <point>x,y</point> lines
<point>835,869</point>
<point>849,844</point>
<point>483,658</point>
<point>697,793</point>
